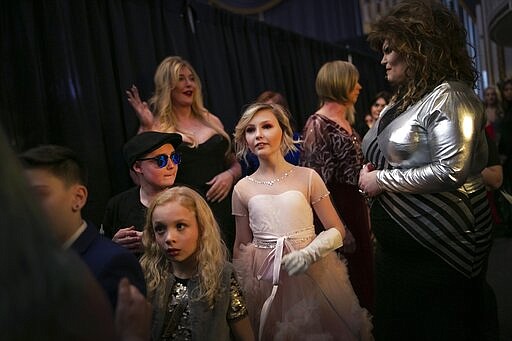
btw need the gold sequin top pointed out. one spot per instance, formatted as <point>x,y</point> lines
<point>237,307</point>
<point>178,325</point>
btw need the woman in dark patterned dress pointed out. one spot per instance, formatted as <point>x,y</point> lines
<point>332,148</point>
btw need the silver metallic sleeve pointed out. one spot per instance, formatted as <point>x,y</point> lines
<point>437,144</point>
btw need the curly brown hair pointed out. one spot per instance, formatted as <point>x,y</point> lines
<point>432,42</point>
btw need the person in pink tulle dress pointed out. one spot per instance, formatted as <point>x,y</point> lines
<point>295,285</point>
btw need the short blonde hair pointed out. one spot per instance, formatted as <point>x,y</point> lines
<point>334,83</point>
<point>211,254</point>
<point>281,115</point>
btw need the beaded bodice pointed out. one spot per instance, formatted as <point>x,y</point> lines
<point>287,214</point>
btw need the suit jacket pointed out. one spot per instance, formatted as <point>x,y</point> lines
<point>109,262</point>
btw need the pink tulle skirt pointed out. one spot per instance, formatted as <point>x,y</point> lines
<point>317,305</point>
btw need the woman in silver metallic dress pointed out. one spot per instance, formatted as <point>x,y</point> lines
<point>429,211</point>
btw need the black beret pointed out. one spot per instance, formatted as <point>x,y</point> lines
<point>144,143</point>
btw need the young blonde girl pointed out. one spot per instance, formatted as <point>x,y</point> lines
<point>295,285</point>
<point>191,285</point>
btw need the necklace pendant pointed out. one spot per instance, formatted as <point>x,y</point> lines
<point>270,182</point>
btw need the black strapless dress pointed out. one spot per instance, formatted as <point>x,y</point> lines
<point>198,166</point>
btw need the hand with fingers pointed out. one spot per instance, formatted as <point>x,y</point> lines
<point>141,108</point>
<point>221,184</point>
<point>129,238</point>
<point>298,261</point>
<point>368,185</point>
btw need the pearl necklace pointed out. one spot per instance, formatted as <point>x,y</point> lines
<point>273,181</point>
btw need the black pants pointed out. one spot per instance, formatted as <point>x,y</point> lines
<point>421,297</point>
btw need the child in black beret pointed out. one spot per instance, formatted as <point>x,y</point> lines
<point>153,159</point>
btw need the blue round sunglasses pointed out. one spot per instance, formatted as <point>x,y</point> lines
<point>162,159</point>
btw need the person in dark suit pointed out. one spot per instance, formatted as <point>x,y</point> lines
<point>58,177</point>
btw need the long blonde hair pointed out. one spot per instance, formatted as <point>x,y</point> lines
<point>166,77</point>
<point>334,83</point>
<point>282,118</point>
<point>211,253</point>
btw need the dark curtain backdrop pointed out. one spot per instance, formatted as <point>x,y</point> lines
<point>67,64</point>
<point>326,20</point>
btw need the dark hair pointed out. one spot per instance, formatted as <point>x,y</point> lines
<point>502,85</point>
<point>269,96</point>
<point>58,160</point>
<point>507,105</point>
<point>45,291</point>
<point>432,42</point>
<point>505,82</point>
<point>272,97</point>
<point>381,94</point>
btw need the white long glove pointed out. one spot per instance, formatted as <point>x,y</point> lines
<point>297,262</point>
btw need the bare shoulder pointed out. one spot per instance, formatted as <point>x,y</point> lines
<point>214,120</point>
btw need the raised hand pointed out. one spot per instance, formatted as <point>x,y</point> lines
<point>145,116</point>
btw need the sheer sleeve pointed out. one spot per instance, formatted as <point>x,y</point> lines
<point>238,207</point>
<point>322,203</point>
<point>317,189</point>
